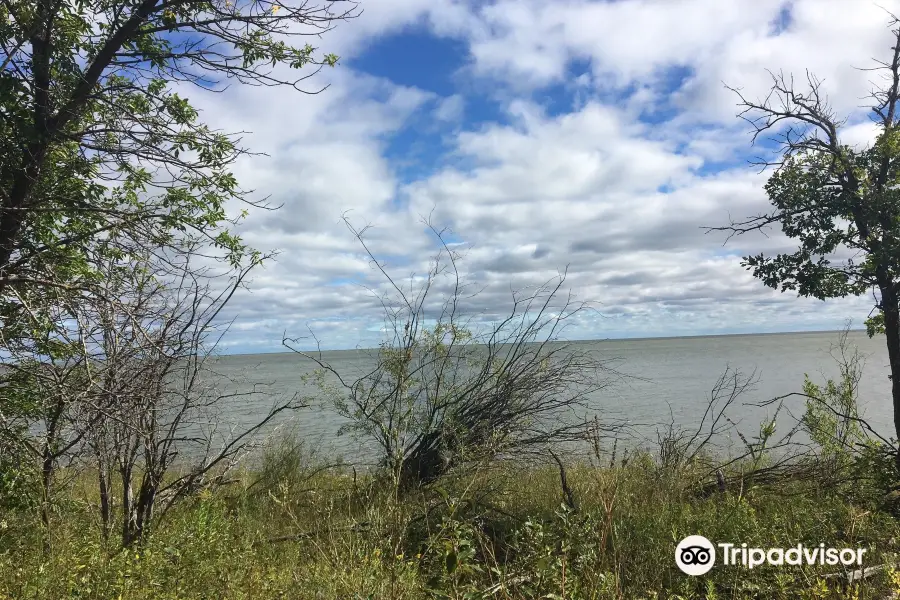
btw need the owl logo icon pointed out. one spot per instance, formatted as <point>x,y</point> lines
<point>695,555</point>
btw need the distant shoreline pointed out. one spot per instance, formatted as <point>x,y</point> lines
<point>595,340</point>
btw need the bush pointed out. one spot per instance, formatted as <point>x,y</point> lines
<point>445,393</point>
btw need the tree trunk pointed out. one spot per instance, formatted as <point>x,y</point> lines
<point>46,484</point>
<point>127,510</point>
<point>103,475</point>
<point>146,502</point>
<point>12,214</point>
<point>891,312</point>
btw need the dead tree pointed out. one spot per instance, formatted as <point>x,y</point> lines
<point>163,436</point>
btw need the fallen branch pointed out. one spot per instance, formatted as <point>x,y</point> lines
<point>860,574</point>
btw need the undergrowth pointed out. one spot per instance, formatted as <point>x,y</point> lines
<point>290,529</point>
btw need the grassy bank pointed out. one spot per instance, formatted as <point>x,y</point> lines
<point>291,530</point>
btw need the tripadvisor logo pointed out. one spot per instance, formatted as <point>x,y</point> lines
<point>696,555</point>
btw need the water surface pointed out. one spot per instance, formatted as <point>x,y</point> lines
<point>672,380</point>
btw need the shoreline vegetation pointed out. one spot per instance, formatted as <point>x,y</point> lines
<point>485,486</point>
<point>298,527</point>
<point>598,522</point>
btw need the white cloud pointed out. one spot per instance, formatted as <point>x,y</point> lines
<point>450,109</point>
<point>529,44</point>
<point>619,201</point>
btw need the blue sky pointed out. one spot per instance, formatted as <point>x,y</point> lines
<point>580,134</point>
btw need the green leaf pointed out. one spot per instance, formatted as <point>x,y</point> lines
<point>451,561</point>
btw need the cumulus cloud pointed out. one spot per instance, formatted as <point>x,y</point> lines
<point>614,185</point>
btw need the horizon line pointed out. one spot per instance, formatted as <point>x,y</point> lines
<point>608,339</point>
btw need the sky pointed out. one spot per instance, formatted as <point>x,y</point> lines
<point>592,137</point>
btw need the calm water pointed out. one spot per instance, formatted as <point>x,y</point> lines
<point>676,374</point>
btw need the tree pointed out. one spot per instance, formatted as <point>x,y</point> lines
<point>444,393</point>
<point>96,139</point>
<point>121,382</point>
<point>102,157</point>
<point>840,203</point>
<point>157,425</point>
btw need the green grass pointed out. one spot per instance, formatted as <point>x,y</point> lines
<point>502,531</point>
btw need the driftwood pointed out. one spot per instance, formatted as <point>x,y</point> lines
<point>860,574</point>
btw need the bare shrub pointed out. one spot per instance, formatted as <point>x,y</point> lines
<point>445,392</point>
<point>122,383</point>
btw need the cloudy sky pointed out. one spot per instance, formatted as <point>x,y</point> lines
<point>593,136</point>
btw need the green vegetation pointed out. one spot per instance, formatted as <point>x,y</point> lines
<point>292,525</point>
<point>441,395</point>
<point>291,530</point>
<point>117,241</point>
<point>838,203</point>
<point>108,173</point>
<point>96,139</point>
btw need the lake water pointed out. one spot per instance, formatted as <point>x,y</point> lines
<point>675,379</point>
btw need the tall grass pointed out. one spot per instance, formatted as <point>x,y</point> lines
<point>293,527</point>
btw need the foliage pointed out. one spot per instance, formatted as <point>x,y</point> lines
<point>832,416</point>
<point>120,383</point>
<point>18,477</point>
<point>105,162</point>
<point>294,524</point>
<point>840,204</point>
<point>98,136</point>
<point>826,220</point>
<point>328,540</point>
<point>854,454</point>
<point>830,413</point>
